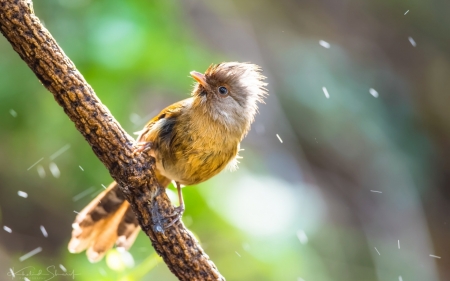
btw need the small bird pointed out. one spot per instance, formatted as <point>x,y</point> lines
<point>191,141</point>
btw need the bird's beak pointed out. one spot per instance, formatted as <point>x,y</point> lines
<point>199,77</point>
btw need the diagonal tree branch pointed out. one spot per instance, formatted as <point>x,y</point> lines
<point>112,145</point>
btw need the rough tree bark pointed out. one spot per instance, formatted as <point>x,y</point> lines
<point>112,145</point>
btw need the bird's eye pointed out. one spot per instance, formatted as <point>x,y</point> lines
<point>223,90</point>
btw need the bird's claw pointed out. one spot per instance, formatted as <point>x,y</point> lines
<point>178,213</point>
<point>141,147</point>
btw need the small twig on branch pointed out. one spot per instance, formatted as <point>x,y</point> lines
<point>112,145</point>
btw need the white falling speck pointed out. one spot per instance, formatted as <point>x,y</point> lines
<point>399,244</point>
<point>7,229</point>
<point>301,235</point>
<point>41,171</point>
<point>35,163</point>
<point>377,251</point>
<point>400,278</point>
<point>103,186</point>
<point>300,279</point>
<point>411,40</point>
<point>325,91</point>
<point>12,272</point>
<point>83,194</point>
<point>26,279</point>
<point>324,44</point>
<point>102,271</point>
<point>76,212</point>
<point>406,13</point>
<point>22,194</point>
<point>13,113</point>
<point>54,170</point>
<point>237,253</point>
<point>94,194</point>
<point>81,168</point>
<point>436,257</point>
<point>44,231</point>
<point>30,254</point>
<point>135,118</point>
<point>62,268</point>
<point>373,92</point>
<point>59,152</point>
<point>279,138</point>
<point>376,191</point>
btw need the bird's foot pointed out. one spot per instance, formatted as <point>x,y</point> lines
<point>141,147</point>
<point>178,213</point>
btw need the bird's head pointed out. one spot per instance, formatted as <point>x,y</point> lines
<point>230,92</point>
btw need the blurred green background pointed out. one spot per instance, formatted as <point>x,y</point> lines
<point>356,190</point>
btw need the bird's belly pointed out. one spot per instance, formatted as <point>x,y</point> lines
<point>194,167</point>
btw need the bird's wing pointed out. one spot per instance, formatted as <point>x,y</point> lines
<point>153,127</point>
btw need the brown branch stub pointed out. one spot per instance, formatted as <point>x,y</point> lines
<point>112,145</point>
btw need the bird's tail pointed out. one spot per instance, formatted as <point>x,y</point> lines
<point>106,221</point>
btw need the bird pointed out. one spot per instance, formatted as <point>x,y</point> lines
<point>191,141</point>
